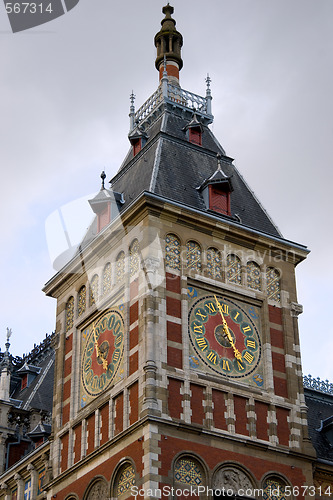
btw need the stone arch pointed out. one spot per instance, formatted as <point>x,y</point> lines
<point>172,251</point>
<point>123,479</point>
<point>236,481</point>
<point>97,489</point>
<point>253,272</point>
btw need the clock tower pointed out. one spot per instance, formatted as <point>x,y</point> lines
<point>178,371</point>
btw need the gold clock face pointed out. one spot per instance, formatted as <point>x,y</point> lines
<point>225,336</point>
<point>102,353</point>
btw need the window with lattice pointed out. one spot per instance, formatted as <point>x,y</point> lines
<point>214,264</point>
<point>134,258</point>
<point>125,480</point>
<point>69,314</point>
<point>93,295</point>
<point>106,285</point>
<point>274,488</point>
<point>120,266</point>
<point>253,276</point>
<point>172,251</point>
<point>273,284</point>
<point>234,269</point>
<point>193,255</point>
<point>81,304</point>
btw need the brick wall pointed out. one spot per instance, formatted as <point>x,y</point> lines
<point>174,330</point>
<point>219,409</point>
<point>175,398</point>
<point>197,399</point>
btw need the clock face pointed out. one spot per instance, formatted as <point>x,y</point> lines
<point>224,334</point>
<point>102,353</point>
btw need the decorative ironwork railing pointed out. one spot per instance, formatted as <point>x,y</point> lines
<point>187,99</point>
<point>317,384</point>
<point>174,94</point>
<point>148,106</point>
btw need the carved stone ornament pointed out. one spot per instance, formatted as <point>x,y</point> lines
<point>99,491</point>
<point>231,479</point>
<point>296,309</point>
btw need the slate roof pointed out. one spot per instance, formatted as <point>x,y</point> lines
<point>170,166</point>
<point>39,394</point>
<point>320,408</point>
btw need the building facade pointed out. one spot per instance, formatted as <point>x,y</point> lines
<point>177,358</point>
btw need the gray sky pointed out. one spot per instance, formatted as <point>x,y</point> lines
<point>64,103</point>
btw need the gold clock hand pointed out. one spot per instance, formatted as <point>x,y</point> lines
<point>98,352</point>
<point>227,331</point>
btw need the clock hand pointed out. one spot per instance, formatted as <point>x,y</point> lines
<point>227,331</point>
<point>98,351</point>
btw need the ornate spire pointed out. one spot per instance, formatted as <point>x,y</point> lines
<point>103,177</point>
<point>169,42</point>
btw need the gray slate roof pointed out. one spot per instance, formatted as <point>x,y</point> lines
<point>320,408</point>
<point>172,167</point>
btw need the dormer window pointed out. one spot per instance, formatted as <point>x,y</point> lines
<point>195,135</point>
<point>138,139</point>
<point>24,381</point>
<point>194,131</point>
<point>216,190</point>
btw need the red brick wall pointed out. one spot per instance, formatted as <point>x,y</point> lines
<point>119,412</point>
<point>134,337</point>
<point>175,357</point>
<point>104,416</point>
<point>105,469</point>
<point>261,410</point>
<point>133,362</point>
<point>173,282</point>
<point>90,433</point>
<point>197,399</point>
<point>278,362</point>
<point>219,409</point>
<point>277,338</point>
<point>77,442</point>
<point>275,315</point>
<point>282,425</point>
<point>134,312</point>
<point>241,416</point>
<point>174,332</point>
<point>134,288</point>
<point>175,398</point>
<point>64,452</point>
<point>134,403</point>
<point>173,307</point>
<point>280,387</point>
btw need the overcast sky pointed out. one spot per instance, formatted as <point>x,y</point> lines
<point>64,104</point>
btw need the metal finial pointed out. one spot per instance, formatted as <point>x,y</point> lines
<point>132,98</point>
<point>9,333</point>
<point>103,177</point>
<point>208,81</point>
<point>219,157</point>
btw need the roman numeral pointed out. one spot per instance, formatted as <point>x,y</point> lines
<point>211,307</point>
<point>198,328</point>
<point>202,343</point>
<point>212,357</point>
<point>250,343</point>
<point>248,357</point>
<point>226,365</point>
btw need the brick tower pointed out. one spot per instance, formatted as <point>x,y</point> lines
<point>178,371</point>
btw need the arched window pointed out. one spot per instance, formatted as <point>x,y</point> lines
<point>172,251</point>
<point>253,276</point>
<point>81,303</point>
<point>234,269</point>
<point>97,490</point>
<point>134,252</point>
<point>193,255</point>
<point>274,489</point>
<point>106,284</point>
<point>188,475</point>
<point>93,296</point>
<point>69,313</point>
<point>273,284</point>
<point>120,266</point>
<point>124,481</point>
<point>214,269</point>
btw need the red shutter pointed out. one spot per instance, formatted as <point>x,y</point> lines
<point>219,201</point>
<point>24,381</point>
<point>136,146</point>
<point>195,136</point>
